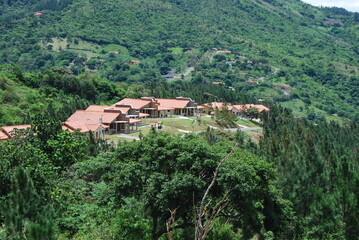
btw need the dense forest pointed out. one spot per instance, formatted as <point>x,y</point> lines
<point>300,180</point>
<point>62,186</point>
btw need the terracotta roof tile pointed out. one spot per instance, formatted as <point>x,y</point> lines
<point>103,108</point>
<point>8,129</point>
<point>3,136</point>
<point>64,128</point>
<point>173,103</point>
<point>214,105</point>
<point>135,103</point>
<point>90,117</point>
<point>246,106</point>
<point>84,127</point>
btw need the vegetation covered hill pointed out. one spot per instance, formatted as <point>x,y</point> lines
<point>289,51</point>
<point>299,182</point>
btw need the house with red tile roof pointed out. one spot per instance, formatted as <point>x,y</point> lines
<point>3,136</point>
<point>7,132</point>
<point>160,107</point>
<point>218,83</point>
<point>143,105</point>
<point>179,106</point>
<point>238,110</point>
<point>241,109</point>
<point>211,107</point>
<point>134,62</point>
<point>101,120</point>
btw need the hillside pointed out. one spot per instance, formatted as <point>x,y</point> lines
<point>288,51</point>
<point>295,176</point>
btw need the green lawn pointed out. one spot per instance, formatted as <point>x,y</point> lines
<point>174,125</point>
<point>247,122</point>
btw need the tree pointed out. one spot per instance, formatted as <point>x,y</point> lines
<point>318,170</point>
<point>252,112</point>
<point>62,147</point>
<point>26,216</point>
<point>19,151</point>
<point>204,226</point>
<point>224,117</point>
<point>171,173</point>
<point>220,57</point>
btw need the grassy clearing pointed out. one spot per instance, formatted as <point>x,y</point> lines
<point>296,105</point>
<point>176,125</point>
<point>337,119</point>
<point>115,48</point>
<point>176,50</point>
<point>85,48</point>
<point>88,49</point>
<point>247,122</point>
<point>299,109</point>
<point>144,130</point>
<point>173,124</point>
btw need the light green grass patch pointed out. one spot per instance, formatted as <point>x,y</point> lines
<point>337,119</point>
<point>176,50</point>
<point>115,48</point>
<point>87,49</point>
<point>296,105</point>
<point>247,122</point>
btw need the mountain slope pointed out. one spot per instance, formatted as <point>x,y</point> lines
<point>308,46</point>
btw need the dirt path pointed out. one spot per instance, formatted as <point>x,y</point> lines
<point>188,71</point>
<point>128,137</point>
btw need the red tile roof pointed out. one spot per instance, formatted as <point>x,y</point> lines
<point>246,106</point>
<point>3,136</point>
<point>215,105</point>
<point>103,108</point>
<point>135,103</point>
<point>8,129</point>
<point>89,117</point>
<point>64,128</point>
<point>83,127</point>
<point>173,103</point>
<point>135,62</point>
